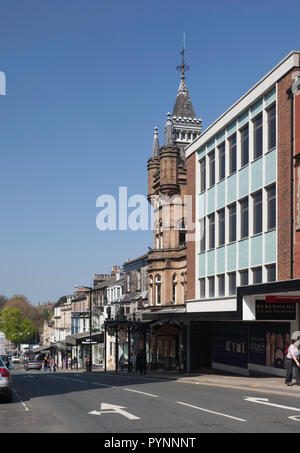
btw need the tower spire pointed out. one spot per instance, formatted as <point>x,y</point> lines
<point>183,67</point>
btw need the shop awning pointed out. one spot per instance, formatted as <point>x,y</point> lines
<point>83,338</point>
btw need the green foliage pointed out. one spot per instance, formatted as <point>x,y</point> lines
<point>16,327</point>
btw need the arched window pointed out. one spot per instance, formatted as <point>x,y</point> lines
<point>158,289</point>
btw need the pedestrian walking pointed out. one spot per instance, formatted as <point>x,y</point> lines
<point>141,362</point>
<point>45,363</point>
<point>292,362</point>
<point>75,363</point>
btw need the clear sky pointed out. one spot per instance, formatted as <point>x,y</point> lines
<point>87,80</point>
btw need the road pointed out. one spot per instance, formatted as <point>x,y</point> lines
<point>71,402</point>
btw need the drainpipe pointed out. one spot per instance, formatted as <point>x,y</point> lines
<point>291,97</point>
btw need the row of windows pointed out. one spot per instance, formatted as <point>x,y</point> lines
<point>240,231</point>
<point>214,286</point>
<point>243,136</point>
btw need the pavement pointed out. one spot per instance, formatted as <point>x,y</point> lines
<point>257,382</point>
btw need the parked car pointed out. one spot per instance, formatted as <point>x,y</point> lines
<point>32,365</point>
<point>5,382</point>
<point>15,359</point>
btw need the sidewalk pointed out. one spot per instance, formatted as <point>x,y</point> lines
<point>258,382</point>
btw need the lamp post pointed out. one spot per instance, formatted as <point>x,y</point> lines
<point>89,364</point>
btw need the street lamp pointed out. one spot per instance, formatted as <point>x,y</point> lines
<point>89,364</point>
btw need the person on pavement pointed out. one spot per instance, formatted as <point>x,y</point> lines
<point>292,362</point>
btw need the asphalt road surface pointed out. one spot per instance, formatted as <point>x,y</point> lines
<point>70,402</point>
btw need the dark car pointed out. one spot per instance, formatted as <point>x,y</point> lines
<point>32,365</point>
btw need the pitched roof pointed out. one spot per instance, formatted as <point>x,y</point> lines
<point>183,105</point>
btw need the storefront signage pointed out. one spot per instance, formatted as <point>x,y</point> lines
<point>275,311</point>
<point>231,346</point>
<point>282,299</point>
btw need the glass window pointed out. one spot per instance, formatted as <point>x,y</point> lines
<point>245,145</point>
<point>244,218</point>
<point>222,161</point>
<point>244,278</point>
<point>258,137</point>
<point>221,284</point>
<point>202,234</point>
<point>232,283</point>
<point>257,212</point>
<point>257,274</point>
<point>158,289</point>
<point>211,286</point>
<point>271,272</point>
<point>202,175</point>
<point>211,221</point>
<point>232,154</point>
<point>221,214</point>
<point>271,127</point>
<point>202,288</point>
<point>232,222</point>
<point>212,173</point>
<point>271,202</point>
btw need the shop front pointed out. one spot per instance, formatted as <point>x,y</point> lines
<point>80,348</point>
<point>167,346</point>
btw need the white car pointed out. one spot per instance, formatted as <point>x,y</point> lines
<point>15,359</point>
<point>5,382</point>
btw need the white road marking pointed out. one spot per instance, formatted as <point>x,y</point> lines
<point>142,393</point>
<point>22,402</point>
<point>104,385</point>
<point>266,402</point>
<point>106,408</point>
<point>212,412</point>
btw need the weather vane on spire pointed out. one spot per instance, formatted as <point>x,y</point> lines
<point>183,67</point>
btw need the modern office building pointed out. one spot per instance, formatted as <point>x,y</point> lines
<point>243,248</point>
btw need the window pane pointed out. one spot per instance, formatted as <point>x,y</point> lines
<point>244,277</point>
<point>221,282</point>
<point>272,127</point>
<point>244,218</point>
<point>232,154</point>
<point>211,283</point>
<point>257,275</point>
<point>271,197</point>
<point>212,169</point>
<point>211,231</point>
<point>232,223</point>
<point>202,288</point>
<point>232,283</point>
<point>222,161</point>
<point>257,136</point>
<point>203,175</point>
<point>245,145</point>
<point>271,270</point>
<point>222,227</point>
<point>257,212</point>
<point>202,234</point>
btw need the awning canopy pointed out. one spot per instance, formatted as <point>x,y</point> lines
<point>83,338</point>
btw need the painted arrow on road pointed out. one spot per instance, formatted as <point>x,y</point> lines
<point>266,402</point>
<point>106,408</point>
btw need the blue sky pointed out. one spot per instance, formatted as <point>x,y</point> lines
<point>87,80</point>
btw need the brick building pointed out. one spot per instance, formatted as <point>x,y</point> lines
<point>243,248</point>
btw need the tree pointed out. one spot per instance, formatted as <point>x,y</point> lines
<point>16,327</point>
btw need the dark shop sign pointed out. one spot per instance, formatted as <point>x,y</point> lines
<point>275,311</point>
